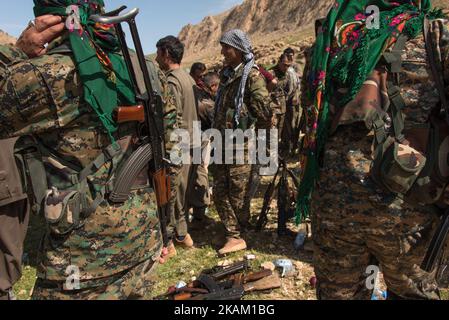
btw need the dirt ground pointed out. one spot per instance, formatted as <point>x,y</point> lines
<point>209,236</point>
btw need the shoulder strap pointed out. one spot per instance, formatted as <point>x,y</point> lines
<point>397,104</point>
<point>393,61</point>
<point>393,58</point>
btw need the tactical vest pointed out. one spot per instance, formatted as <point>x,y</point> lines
<point>229,86</point>
<point>413,162</point>
<point>78,195</point>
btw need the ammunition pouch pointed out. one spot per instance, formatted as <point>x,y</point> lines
<point>66,202</point>
<point>62,211</point>
<point>397,166</point>
<point>412,163</point>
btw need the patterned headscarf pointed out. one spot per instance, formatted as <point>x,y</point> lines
<point>95,47</point>
<point>240,41</point>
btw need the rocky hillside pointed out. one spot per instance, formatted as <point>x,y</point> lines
<point>264,20</point>
<point>272,24</point>
<point>6,38</point>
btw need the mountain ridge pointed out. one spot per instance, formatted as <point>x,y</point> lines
<point>269,23</point>
<point>261,19</point>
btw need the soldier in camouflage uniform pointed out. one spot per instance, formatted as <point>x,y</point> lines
<point>286,96</point>
<point>242,96</point>
<point>108,251</point>
<point>354,223</point>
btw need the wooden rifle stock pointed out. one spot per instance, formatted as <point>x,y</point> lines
<point>130,114</point>
<point>162,186</point>
<point>184,296</point>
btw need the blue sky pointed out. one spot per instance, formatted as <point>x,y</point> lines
<point>157,18</point>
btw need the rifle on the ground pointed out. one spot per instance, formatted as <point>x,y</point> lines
<point>232,289</point>
<point>266,280</point>
<point>283,198</point>
<point>225,283</point>
<point>149,114</point>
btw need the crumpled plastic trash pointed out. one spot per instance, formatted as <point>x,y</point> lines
<point>181,284</point>
<point>288,269</point>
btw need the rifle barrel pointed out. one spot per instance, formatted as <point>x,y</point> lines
<point>437,244</point>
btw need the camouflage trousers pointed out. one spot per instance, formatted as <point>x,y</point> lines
<point>234,188</point>
<point>133,284</point>
<point>355,226</point>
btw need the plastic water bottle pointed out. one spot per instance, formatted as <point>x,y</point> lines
<point>378,294</point>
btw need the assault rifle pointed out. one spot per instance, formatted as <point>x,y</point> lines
<point>148,114</point>
<point>283,198</point>
<point>230,283</point>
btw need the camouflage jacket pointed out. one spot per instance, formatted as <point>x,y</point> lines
<point>256,101</point>
<point>43,97</point>
<point>287,92</point>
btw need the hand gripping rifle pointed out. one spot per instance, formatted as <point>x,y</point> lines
<point>149,114</point>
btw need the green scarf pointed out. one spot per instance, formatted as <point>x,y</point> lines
<point>95,47</point>
<point>346,52</point>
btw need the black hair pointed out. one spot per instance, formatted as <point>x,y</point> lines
<point>198,66</point>
<point>174,47</point>
<point>283,57</point>
<point>289,51</point>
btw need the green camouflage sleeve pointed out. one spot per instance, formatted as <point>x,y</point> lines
<point>10,54</point>
<point>175,91</point>
<point>259,100</point>
<point>24,99</point>
<point>171,122</point>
